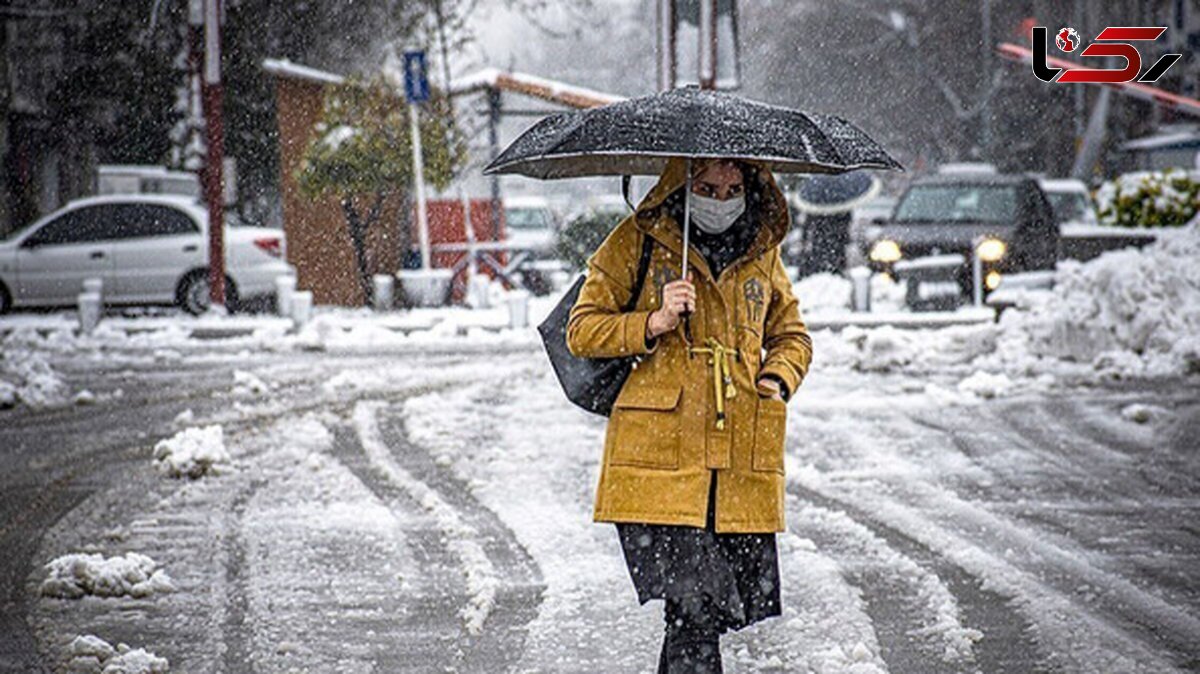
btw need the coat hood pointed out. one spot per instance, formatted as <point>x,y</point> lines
<point>774,215</point>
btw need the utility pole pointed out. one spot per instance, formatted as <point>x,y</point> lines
<point>212,92</point>
<point>986,113</point>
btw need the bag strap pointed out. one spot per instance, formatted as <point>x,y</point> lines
<point>643,266</point>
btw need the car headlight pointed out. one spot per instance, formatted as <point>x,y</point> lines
<point>992,280</point>
<point>885,250</point>
<point>991,250</point>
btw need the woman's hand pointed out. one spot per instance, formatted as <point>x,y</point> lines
<point>769,384</point>
<point>677,297</point>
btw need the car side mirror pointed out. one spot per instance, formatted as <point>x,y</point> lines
<point>878,221</point>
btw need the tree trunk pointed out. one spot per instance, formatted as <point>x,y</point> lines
<point>358,239</point>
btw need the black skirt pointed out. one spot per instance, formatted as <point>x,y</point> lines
<point>738,571</point>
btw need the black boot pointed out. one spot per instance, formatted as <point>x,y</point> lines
<point>692,655</point>
<point>692,641</point>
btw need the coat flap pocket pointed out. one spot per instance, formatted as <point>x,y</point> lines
<point>649,397</point>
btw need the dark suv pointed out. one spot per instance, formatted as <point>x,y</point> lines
<point>941,220</point>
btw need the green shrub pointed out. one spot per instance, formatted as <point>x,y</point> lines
<point>583,234</point>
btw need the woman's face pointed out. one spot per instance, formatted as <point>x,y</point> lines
<point>719,180</point>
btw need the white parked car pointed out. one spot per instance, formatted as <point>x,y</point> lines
<point>147,249</point>
<point>1074,208</point>
<point>530,223</point>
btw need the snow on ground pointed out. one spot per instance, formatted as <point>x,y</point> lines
<point>504,434</point>
<point>326,559</point>
<point>247,385</point>
<point>89,654</point>
<point>193,452</point>
<point>75,575</point>
<point>985,502</point>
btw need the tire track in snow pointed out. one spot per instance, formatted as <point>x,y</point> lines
<point>503,585</point>
<point>1044,573</point>
<point>899,611</point>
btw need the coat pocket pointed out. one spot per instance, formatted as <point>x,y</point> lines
<point>770,430</point>
<point>647,427</point>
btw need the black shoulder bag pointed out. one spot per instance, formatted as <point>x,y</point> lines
<point>591,383</point>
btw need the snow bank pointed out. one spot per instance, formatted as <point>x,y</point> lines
<point>822,292</point>
<point>75,575</point>
<point>1128,312</point>
<point>825,292</point>
<point>90,654</point>
<point>26,377</point>
<point>192,452</point>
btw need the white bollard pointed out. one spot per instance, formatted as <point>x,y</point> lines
<point>285,287</point>
<point>383,292</point>
<point>518,309</point>
<point>302,301</point>
<point>90,308</point>
<point>860,294</point>
<point>479,291</point>
<point>94,285</point>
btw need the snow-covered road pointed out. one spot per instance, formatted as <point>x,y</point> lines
<point>420,511</point>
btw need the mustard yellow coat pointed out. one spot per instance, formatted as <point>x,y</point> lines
<point>663,435</point>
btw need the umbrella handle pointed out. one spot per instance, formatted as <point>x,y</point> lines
<point>687,208</point>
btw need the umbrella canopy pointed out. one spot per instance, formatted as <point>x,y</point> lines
<point>827,194</point>
<point>637,136</point>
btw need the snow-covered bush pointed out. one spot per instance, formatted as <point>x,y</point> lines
<point>192,452</point>
<point>75,575</point>
<point>1167,198</point>
<point>90,654</point>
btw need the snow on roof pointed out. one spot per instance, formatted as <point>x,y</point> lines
<point>526,201</point>
<point>139,198</point>
<point>1062,185</point>
<point>532,85</point>
<point>285,68</point>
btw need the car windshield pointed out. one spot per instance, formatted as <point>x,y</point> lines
<point>1071,207</point>
<point>527,218</point>
<point>958,203</point>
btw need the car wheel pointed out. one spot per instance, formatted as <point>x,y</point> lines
<point>5,299</point>
<point>193,293</point>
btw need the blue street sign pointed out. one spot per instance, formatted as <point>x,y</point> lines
<point>416,84</point>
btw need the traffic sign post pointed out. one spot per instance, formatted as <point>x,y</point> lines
<point>416,90</point>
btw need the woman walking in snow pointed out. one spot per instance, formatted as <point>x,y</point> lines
<point>693,470</point>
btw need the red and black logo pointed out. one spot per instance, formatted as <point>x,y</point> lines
<point>1112,41</point>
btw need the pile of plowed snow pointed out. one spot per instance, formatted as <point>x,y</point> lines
<point>90,654</point>
<point>75,575</point>
<point>1130,312</point>
<point>1127,313</point>
<point>192,452</point>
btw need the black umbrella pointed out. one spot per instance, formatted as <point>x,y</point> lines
<point>826,194</point>
<point>637,136</point>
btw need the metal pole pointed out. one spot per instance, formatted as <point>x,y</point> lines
<point>977,275</point>
<point>214,124</point>
<point>494,149</point>
<point>986,140</point>
<point>419,179</point>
